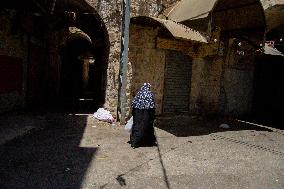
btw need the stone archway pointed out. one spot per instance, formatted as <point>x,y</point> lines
<point>84,56</point>
<point>74,72</point>
<point>269,81</point>
<point>77,36</point>
<point>80,70</point>
<point>40,27</point>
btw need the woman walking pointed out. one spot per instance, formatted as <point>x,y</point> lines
<point>143,112</point>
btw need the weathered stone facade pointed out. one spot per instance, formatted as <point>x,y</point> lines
<point>205,82</point>
<point>237,83</point>
<point>112,16</point>
<point>48,46</point>
<point>220,83</point>
<point>13,43</point>
<point>12,51</point>
<point>146,63</point>
<point>224,84</point>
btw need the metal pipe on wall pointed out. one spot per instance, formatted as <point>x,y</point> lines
<point>121,107</point>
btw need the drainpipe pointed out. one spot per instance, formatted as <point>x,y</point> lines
<point>121,110</point>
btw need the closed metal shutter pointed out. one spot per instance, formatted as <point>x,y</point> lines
<point>177,82</point>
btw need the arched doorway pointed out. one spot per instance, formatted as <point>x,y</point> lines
<point>83,65</point>
<point>81,72</point>
<point>268,102</point>
<point>76,71</point>
<point>49,60</point>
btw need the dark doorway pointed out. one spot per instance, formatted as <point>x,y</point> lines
<point>268,105</point>
<point>78,81</point>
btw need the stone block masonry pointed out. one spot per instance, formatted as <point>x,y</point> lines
<point>147,64</point>
<point>110,12</point>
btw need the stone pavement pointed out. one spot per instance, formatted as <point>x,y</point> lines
<point>16,125</point>
<point>77,151</point>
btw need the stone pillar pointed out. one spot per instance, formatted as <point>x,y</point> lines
<point>196,81</point>
<point>85,73</point>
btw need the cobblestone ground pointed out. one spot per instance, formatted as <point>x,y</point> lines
<point>76,151</point>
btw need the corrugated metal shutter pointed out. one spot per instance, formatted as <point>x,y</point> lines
<point>177,82</point>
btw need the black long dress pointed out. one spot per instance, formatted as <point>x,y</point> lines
<point>142,133</point>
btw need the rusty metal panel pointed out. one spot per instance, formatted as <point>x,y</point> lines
<point>177,82</point>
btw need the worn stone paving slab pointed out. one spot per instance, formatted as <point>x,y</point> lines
<point>77,151</point>
<point>14,126</point>
<point>209,163</point>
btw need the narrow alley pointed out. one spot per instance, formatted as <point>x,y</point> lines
<point>202,80</point>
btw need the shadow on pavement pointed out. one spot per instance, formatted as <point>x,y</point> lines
<point>184,126</point>
<point>47,158</point>
<point>66,106</point>
<point>163,167</point>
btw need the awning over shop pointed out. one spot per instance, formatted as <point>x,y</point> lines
<point>271,3</point>
<point>229,15</point>
<point>275,15</point>
<point>272,51</point>
<point>190,10</point>
<point>177,30</point>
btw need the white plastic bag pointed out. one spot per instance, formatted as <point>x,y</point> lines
<point>103,115</point>
<point>129,124</point>
<point>224,126</point>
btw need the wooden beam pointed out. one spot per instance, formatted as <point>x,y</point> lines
<point>193,49</point>
<point>175,45</point>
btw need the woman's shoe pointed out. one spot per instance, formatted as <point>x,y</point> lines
<point>134,146</point>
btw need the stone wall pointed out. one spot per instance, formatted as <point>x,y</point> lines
<point>210,80</point>
<point>23,50</point>
<point>147,64</point>
<point>220,84</point>
<point>216,86</point>
<point>13,43</point>
<point>205,85</point>
<point>16,45</point>
<point>238,76</point>
<point>223,84</point>
<point>57,40</point>
<point>110,12</point>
